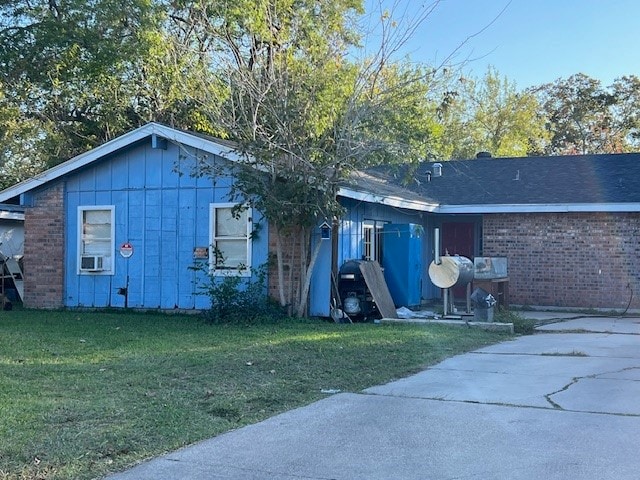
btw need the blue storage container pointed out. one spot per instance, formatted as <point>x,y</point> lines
<point>403,262</point>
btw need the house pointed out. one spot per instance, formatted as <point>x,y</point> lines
<point>124,223</point>
<point>569,226</point>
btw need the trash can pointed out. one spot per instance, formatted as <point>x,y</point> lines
<point>483,305</point>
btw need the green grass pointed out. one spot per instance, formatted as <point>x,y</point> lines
<point>83,394</point>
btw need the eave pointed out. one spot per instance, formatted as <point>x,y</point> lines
<point>541,208</point>
<point>123,141</point>
<point>391,200</point>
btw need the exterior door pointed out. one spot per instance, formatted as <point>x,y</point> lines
<point>458,239</point>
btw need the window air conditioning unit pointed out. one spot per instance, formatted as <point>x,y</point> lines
<point>91,263</point>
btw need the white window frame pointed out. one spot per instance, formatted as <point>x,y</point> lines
<point>373,230</point>
<point>229,271</point>
<point>110,268</point>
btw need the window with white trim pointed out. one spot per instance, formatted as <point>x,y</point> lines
<point>96,234</point>
<point>230,241</point>
<point>372,240</point>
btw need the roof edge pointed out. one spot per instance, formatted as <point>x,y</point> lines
<point>86,158</point>
<point>388,200</point>
<point>542,208</point>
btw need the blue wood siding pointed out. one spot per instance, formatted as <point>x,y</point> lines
<point>350,246</point>
<point>162,213</point>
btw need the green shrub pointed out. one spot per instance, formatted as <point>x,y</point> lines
<point>237,299</point>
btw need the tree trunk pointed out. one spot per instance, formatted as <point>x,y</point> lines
<point>304,294</point>
<point>280,268</point>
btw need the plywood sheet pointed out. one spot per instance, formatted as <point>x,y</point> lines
<point>374,279</point>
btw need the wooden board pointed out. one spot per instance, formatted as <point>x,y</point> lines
<point>374,279</point>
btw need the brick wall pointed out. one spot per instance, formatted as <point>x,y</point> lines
<point>291,260</point>
<point>44,249</point>
<point>588,260</point>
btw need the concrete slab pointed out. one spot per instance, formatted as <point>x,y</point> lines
<point>559,405</point>
<point>546,316</point>
<point>598,394</point>
<point>518,380</point>
<point>354,437</point>
<point>596,324</point>
<point>571,344</point>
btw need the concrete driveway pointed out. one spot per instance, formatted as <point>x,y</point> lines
<point>562,404</point>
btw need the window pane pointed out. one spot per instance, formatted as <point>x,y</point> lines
<point>97,231</point>
<point>233,253</point>
<point>96,234</point>
<point>97,248</point>
<point>367,242</point>
<point>97,216</point>
<point>229,226</point>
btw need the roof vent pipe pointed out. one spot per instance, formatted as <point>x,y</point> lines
<point>437,169</point>
<point>483,155</point>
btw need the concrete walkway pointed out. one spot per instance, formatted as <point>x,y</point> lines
<point>562,404</point>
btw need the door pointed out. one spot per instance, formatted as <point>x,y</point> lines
<point>458,239</point>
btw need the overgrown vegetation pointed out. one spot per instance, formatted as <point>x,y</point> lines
<point>521,325</point>
<point>239,299</point>
<point>82,394</point>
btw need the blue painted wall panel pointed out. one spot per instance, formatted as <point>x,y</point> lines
<point>350,244</point>
<point>87,180</point>
<point>103,176</point>
<point>120,173</point>
<point>162,214</point>
<point>168,163</point>
<point>137,166</point>
<point>320,295</point>
<point>153,168</point>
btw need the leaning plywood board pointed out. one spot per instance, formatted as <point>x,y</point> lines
<point>374,279</point>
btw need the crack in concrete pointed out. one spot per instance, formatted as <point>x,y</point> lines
<point>575,380</point>
<point>548,396</point>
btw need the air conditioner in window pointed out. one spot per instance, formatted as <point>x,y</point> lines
<point>92,263</point>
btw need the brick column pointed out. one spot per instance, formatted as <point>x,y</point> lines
<point>44,249</point>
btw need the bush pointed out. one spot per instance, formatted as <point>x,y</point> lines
<point>239,299</point>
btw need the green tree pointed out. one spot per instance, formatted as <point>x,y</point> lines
<point>304,112</point>
<point>491,115</point>
<point>20,145</point>
<point>579,115</point>
<point>626,113</point>
<point>82,72</point>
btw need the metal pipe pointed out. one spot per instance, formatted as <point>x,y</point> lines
<point>436,246</point>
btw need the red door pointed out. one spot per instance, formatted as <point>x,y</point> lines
<point>458,239</point>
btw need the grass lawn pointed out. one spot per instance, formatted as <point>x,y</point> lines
<point>83,394</point>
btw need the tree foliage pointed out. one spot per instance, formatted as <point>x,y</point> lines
<point>79,73</point>
<point>290,83</point>
<point>302,112</point>
<point>585,117</point>
<point>490,114</point>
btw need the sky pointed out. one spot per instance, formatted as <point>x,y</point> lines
<point>531,42</point>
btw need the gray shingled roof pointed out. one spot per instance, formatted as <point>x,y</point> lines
<point>577,179</point>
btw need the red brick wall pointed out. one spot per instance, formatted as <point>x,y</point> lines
<point>44,249</point>
<point>291,261</point>
<point>588,260</point>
